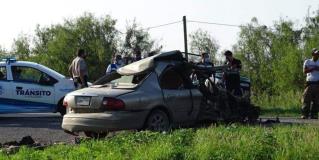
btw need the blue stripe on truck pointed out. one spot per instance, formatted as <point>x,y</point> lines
<point>20,106</point>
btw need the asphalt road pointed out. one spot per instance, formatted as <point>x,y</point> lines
<point>43,128</point>
<point>46,128</point>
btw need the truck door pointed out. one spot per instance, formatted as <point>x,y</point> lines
<point>33,89</point>
<point>5,91</point>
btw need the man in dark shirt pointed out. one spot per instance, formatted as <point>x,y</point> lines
<point>232,76</point>
<point>232,62</point>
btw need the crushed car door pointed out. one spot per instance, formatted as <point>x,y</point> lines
<point>33,89</point>
<point>176,96</point>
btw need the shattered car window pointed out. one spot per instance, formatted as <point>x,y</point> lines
<point>124,80</point>
<point>171,80</point>
<point>121,80</point>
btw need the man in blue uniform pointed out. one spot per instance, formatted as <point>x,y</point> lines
<point>117,63</point>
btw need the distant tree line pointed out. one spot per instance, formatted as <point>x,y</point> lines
<point>272,57</point>
<point>55,46</point>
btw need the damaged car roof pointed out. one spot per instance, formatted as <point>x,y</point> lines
<point>149,62</point>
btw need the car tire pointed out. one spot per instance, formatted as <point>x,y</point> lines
<point>95,135</point>
<point>61,110</point>
<point>158,121</point>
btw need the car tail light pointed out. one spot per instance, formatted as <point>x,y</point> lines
<point>65,104</point>
<point>113,104</point>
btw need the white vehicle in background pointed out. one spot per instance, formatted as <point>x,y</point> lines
<point>28,87</point>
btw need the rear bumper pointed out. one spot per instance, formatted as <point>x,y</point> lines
<point>103,122</point>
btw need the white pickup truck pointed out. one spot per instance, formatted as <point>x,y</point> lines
<point>31,87</point>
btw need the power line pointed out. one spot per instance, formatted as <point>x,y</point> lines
<point>162,25</point>
<point>121,32</point>
<point>223,24</point>
<point>191,21</point>
<point>214,23</point>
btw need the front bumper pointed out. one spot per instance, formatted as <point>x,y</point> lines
<point>103,122</point>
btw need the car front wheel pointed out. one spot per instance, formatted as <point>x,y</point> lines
<point>158,121</point>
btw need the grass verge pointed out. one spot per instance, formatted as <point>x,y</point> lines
<point>286,104</point>
<point>221,142</point>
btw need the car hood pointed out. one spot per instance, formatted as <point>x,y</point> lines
<point>145,64</point>
<point>100,91</point>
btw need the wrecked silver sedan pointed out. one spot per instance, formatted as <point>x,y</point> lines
<point>155,93</point>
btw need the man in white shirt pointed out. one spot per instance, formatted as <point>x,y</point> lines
<point>311,92</point>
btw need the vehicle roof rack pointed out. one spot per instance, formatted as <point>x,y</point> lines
<point>9,60</point>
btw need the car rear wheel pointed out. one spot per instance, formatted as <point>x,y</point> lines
<point>158,121</point>
<point>96,135</point>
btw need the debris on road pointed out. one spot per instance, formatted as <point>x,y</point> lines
<point>14,146</point>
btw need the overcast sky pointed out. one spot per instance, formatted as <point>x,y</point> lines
<point>22,16</point>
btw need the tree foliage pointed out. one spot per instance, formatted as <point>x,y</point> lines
<point>3,53</point>
<point>273,57</point>
<point>55,46</point>
<point>21,47</point>
<point>137,41</point>
<point>201,41</point>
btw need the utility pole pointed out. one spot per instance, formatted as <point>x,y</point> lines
<point>185,37</point>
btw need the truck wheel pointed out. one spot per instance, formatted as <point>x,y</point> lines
<point>158,121</point>
<point>61,109</point>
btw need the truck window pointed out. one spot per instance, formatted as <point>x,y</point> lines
<point>31,75</point>
<point>3,73</point>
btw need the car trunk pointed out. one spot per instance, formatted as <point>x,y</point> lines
<point>95,94</point>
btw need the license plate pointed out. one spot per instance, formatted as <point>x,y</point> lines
<point>82,100</point>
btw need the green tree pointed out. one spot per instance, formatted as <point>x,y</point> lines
<point>137,41</point>
<point>201,41</point>
<point>3,53</point>
<point>253,49</point>
<point>287,57</point>
<point>55,46</point>
<point>21,47</point>
<point>310,34</point>
<point>272,56</point>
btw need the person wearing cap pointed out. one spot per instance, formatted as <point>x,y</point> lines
<point>311,92</point>
<point>205,59</point>
<point>117,63</point>
<point>232,62</point>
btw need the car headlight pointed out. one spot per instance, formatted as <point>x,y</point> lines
<point>82,100</point>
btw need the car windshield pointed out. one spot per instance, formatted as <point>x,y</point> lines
<point>116,80</point>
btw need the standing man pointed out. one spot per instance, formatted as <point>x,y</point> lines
<point>311,92</point>
<point>232,62</point>
<point>137,54</point>
<point>205,59</point>
<point>232,76</point>
<point>78,69</point>
<point>117,63</point>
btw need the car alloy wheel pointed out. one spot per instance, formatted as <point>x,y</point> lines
<point>158,121</point>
